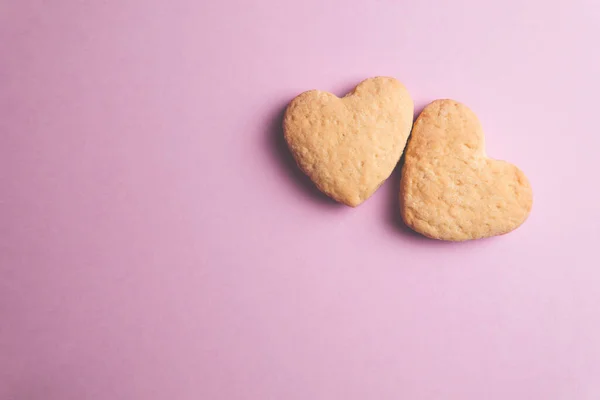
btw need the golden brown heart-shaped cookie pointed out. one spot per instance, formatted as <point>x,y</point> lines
<point>449,189</point>
<point>349,146</point>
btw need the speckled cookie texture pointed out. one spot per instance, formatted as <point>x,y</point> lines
<point>449,189</point>
<point>349,146</point>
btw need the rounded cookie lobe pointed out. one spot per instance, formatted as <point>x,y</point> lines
<point>449,189</point>
<point>349,146</point>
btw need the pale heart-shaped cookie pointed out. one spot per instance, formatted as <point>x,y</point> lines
<point>449,189</point>
<point>349,146</point>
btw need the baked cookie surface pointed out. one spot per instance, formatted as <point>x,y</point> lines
<point>450,189</point>
<point>349,146</point>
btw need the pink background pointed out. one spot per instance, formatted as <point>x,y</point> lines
<point>156,241</point>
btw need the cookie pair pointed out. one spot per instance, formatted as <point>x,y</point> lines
<point>449,189</point>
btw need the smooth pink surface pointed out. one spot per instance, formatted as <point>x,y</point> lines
<point>156,241</point>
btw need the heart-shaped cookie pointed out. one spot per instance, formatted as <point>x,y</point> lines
<point>349,146</point>
<point>449,189</point>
